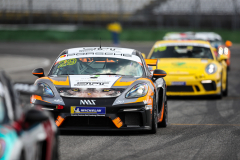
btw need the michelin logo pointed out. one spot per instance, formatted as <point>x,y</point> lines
<point>88,110</point>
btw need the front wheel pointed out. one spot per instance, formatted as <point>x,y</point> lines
<point>225,92</point>
<point>164,122</point>
<point>154,118</point>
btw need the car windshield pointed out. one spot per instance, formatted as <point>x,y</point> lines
<point>97,65</point>
<point>181,52</point>
<point>216,43</point>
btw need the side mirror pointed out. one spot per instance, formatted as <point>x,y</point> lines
<point>228,43</point>
<point>144,56</point>
<point>158,73</point>
<point>39,72</point>
<point>34,116</point>
<point>222,57</point>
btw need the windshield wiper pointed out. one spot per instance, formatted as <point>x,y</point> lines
<point>108,74</point>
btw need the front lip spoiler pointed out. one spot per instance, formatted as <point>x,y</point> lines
<point>144,128</point>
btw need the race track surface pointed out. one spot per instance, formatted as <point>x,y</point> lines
<point>199,128</point>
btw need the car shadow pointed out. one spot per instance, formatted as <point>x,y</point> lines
<point>103,133</point>
<point>190,98</point>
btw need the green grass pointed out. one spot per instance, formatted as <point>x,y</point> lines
<point>95,34</point>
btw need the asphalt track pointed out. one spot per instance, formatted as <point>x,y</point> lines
<point>199,128</point>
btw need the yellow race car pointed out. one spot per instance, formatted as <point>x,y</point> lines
<point>192,68</point>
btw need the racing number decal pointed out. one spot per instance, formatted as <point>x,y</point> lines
<point>67,62</point>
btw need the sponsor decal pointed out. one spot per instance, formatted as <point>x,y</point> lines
<point>87,81</point>
<point>91,84</point>
<point>87,102</point>
<point>67,62</point>
<point>178,63</point>
<point>120,101</point>
<point>57,100</point>
<point>62,56</point>
<point>160,49</point>
<point>88,110</point>
<point>147,101</point>
<point>89,115</point>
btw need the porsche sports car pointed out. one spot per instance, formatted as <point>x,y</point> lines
<point>214,39</point>
<point>216,42</point>
<point>192,68</point>
<point>25,133</point>
<point>103,89</point>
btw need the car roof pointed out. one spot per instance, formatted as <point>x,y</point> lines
<point>208,36</point>
<point>183,42</point>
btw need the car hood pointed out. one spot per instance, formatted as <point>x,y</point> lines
<point>183,66</point>
<point>91,85</point>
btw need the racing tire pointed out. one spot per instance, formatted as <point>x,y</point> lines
<point>55,154</point>
<point>22,156</point>
<point>164,122</point>
<point>154,118</point>
<point>221,93</point>
<point>39,152</point>
<point>225,92</point>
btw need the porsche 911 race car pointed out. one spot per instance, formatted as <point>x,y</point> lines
<point>103,89</point>
<point>26,133</point>
<point>214,39</point>
<point>216,42</point>
<point>192,68</point>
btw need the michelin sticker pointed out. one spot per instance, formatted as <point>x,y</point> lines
<point>75,110</point>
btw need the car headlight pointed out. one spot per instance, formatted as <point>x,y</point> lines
<point>211,68</point>
<point>138,90</point>
<point>47,92</point>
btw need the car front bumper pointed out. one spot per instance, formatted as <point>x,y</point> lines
<point>190,86</point>
<point>128,117</point>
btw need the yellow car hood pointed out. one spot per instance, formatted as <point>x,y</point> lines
<point>183,66</point>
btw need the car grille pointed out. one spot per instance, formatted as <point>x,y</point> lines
<point>209,86</point>
<point>180,89</point>
<point>131,118</point>
<point>79,121</point>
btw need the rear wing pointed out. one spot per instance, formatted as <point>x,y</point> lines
<point>151,62</point>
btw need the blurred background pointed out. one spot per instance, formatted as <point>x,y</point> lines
<point>142,20</point>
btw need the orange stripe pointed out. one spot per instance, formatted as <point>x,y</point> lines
<point>118,83</point>
<point>62,83</point>
<point>159,74</point>
<point>38,73</point>
<point>160,120</point>
<point>118,123</point>
<point>36,97</point>
<point>59,121</point>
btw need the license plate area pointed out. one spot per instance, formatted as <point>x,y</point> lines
<point>178,83</point>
